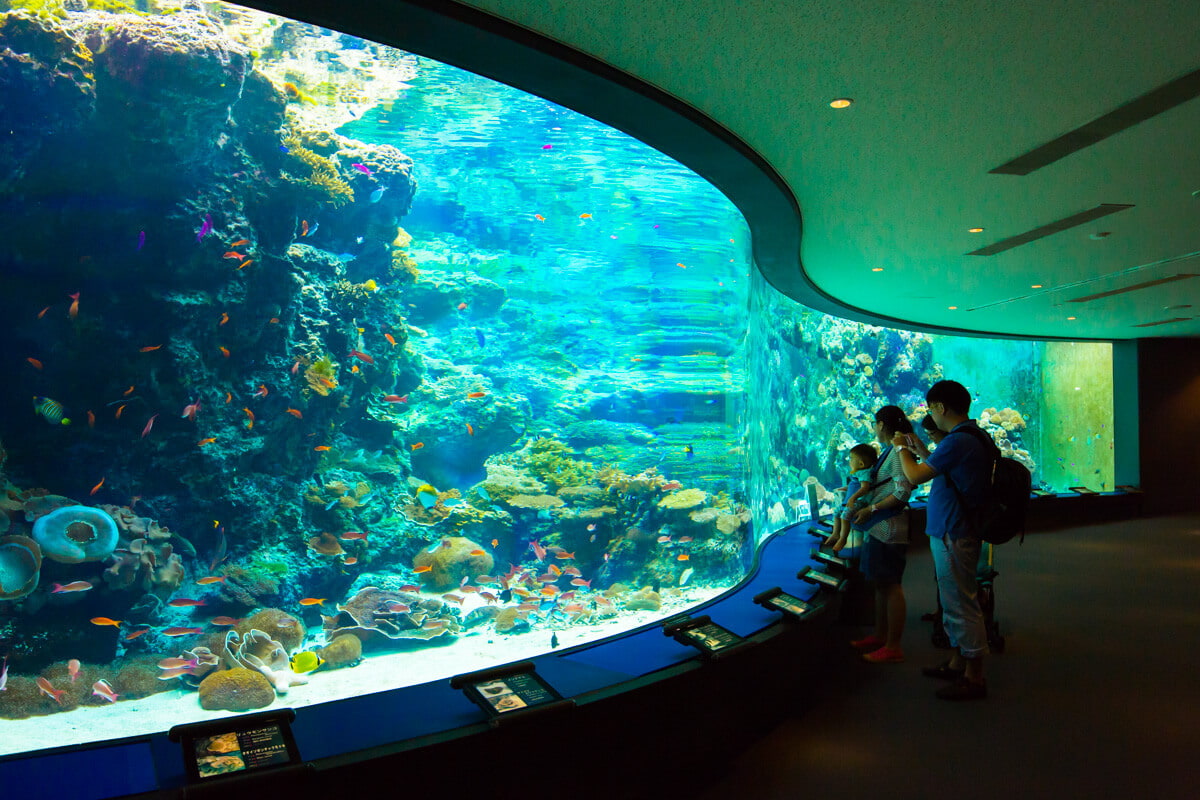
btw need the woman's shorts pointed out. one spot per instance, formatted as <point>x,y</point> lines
<point>883,563</point>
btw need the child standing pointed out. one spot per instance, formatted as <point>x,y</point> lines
<point>862,458</point>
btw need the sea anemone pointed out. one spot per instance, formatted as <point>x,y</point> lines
<point>74,534</point>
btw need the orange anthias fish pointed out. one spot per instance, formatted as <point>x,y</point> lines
<point>239,243</point>
<point>477,553</point>
<point>48,689</point>
<point>245,263</point>
<point>36,364</point>
<point>250,419</point>
<point>116,623</point>
<point>354,535</point>
<point>228,398</point>
<point>539,217</point>
<point>73,667</point>
<point>419,570</point>
<point>470,430</point>
<point>223,621</point>
<point>312,601</point>
<point>129,637</point>
<point>128,391</point>
<point>120,409</point>
<point>204,442</point>
<point>295,412</point>
<point>585,216</point>
<point>224,318</point>
<point>322,448</point>
<point>73,311</point>
<point>189,411</point>
<point>150,348</point>
<point>96,488</point>
<point>91,419</point>
<point>391,339</point>
<point>683,557</point>
<point>361,356</point>
<point>185,602</point>
<point>462,306</point>
<point>303,228</point>
<point>417,446</point>
<point>211,579</point>
<point>234,254</point>
<point>149,425</point>
<point>181,631</point>
<point>395,398</point>
<point>263,391</point>
<point>224,351</point>
<point>476,395</point>
<point>42,313</point>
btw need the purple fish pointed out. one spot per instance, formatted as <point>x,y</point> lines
<point>205,228</point>
<point>363,168</point>
<point>4,676</point>
<point>141,240</point>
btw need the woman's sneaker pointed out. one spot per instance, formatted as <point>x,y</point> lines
<point>885,655</point>
<point>867,643</point>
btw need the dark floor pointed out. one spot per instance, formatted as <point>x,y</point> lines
<point>1097,693</point>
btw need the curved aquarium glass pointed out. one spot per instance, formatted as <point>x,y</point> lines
<point>324,355</point>
<point>333,369</point>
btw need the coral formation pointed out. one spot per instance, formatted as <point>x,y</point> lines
<point>683,499</point>
<point>452,559</point>
<point>257,650</point>
<point>322,173</point>
<point>237,689</point>
<point>277,624</point>
<point>343,650</point>
<point>20,566</point>
<point>74,534</point>
<point>377,615</point>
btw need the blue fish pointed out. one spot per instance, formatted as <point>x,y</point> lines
<point>377,194</point>
<point>451,502</point>
<point>483,493</point>
<point>283,149</point>
<point>428,500</point>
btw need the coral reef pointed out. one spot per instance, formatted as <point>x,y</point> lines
<point>257,650</point>
<point>237,689</point>
<point>381,616</point>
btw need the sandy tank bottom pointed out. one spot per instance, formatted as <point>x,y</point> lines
<point>472,651</point>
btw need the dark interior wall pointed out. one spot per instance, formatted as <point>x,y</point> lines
<point>1169,401</point>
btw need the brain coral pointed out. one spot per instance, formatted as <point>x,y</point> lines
<point>279,625</point>
<point>237,689</point>
<point>452,559</point>
<point>20,565</point>
<point>74,534</point>
<point>344,651</point>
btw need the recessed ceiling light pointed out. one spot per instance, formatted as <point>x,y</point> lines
<point>1036,286</point>
<point>876,269</point>
<point>841,102</point>
<point>974,230</point>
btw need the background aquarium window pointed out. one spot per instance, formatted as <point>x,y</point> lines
<point>333,369</point>
<point>818,380</point>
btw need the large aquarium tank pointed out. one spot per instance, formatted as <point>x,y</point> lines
<point>333,369</point>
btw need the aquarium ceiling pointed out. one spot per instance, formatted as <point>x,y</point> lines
<point>1020,168</point>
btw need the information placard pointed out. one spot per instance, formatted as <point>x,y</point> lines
<point>821,579</point>
<point>778,600</point>
<point>505,690</point>
<point>703,634</point>
<point>1081,490</point>
<point>237,745</point>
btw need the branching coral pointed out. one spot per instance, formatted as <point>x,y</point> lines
<point>683,499</point>
<point>323,174</point>
<point>550,461</point>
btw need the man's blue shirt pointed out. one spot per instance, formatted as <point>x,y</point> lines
<point>969,465</point>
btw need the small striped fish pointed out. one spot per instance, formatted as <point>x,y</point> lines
<point>51,410</point>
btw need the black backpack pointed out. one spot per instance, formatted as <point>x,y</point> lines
<point>1002,515</point>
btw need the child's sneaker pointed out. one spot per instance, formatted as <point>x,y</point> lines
<point>871,642</point>
<point>885,655</point>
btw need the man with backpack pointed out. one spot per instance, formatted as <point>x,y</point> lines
<point>961,470</point>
